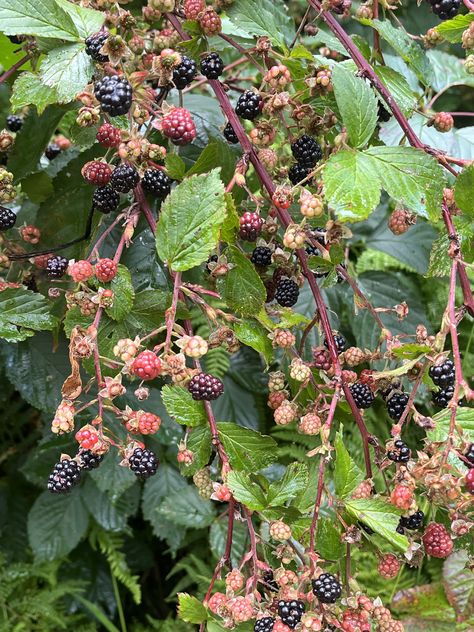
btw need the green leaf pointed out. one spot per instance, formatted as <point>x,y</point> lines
<point>406,47</point>
<point>29,89</point>
<point>112,478</point>
<point>265,17</point>
<point>242,288</point>
<point>247,449</point>
<point>182,407</point>
<point>253,334</point>
<point>175,166</point>
<point>231,223</point>
<point>190,219</point>
<point>440,261</point>
<point>458,581</point>
<point>21,308</point>
<point>293,482</point>
<point>32,139</point>
<point>190,609</point>
<point>110,516</point>
<point>124,294</point>
<point>186,508</point>
<point>463,191</point>
<point>86,21</point>
<point>347,474</point>
<point>45,18</point>
<point>357,104</point>
<point>398,87</point>
<point>447,70</point>
<point>67,70</point>
<point>97,613</point>
<point>218,538</point>
<point>453,29</point>
<point>56,524</point>
<point>464,419</point>
<point>380,516</point>
<point>246,491</point>
<point>328,539</point>
<point>38,187</point>
<point>215,154</point>
<point>199,442</point>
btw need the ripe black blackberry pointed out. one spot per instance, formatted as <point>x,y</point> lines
<point>89,460</point>
<point>212,66</point>
<point>297,173</point>
<point>264,625</point>
<point>52,151</point>
<point>184,73</point>
<point>383,115</point>
<point>205,387</point>
<point>65,475</point>
<point>307,151</point>
<point>124,178</point>
<point>287,293</point>
<point>442,397</point>
<point>396,404</point>
<point>143,463</point>
<point>401,452</point>
<point>445,9</point>
<point>157,183</point>
<point>7,218</point>
<point>444,374</point>
<point>469,455</point>
<point>327,588</point>
<point>362,394</point>
<point>56,267</point>
<point>412,523</point>
<point>339,341</point>
<point>93,45</point>
<point>291,612</point>
<point>248,105</point>
<point>261,256</point>
<point>230,135</point>
<point>14,122</point>
<point>114,94</point>
<point>270,583</point>
<point>105,199</point>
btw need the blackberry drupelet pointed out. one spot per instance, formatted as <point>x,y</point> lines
<point>89,460</point>
<point>339,341</point>
<point>396,405</point>
<point>114,94</point>
<point>261,256</point>
<point>105,199</point>
<point>212,66</point>
<point>14,123</point>
<point>307,151</point>
<point>56,267</point>
<point>291,612</point>
<point>327,588</point>
<point>287,292</point>
<point>7,218</point>
<point>401,452</point>
<point>143,463</point>
<point>412,523</point>
<point>362,394</point>
<point>230,135</point>
<point>157,183</point>
<point>445,9</point>
<point>444,374</point>
<point>442,397</point>
<point>297,173</point>
<point>205,387</point>
<point>52,151</point>
<point>248,105</point>
<point>264,625</point>
<point>66,474</point>
<point>93,45</point>
<point>184,73</point>
<point>124,178</point>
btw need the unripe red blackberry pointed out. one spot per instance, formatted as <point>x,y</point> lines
<point>437,541</point>
<point>124,178</point>
<point>179,126</point>
<point>285,413</point>
<point>81,270</point>
<point>310,424</point>
<point>468,37</point>
<point>249,105</point>
<point>363,490</point>
<point>401,497</point>
<point>93,45</point>
<point>388,567</point>
<point>321,358</point>
<point>114,94</point>
<point>280,531</point>
<point>400,221</point>
<point>443,122</point>
<point>96,172</point>
<point>143,463</point>
<point>205,387</point>
<point>56,267</point>
<point>250,226</point>
<point>469,481</point>
<point>108,135</point>
<point>105,270</point>
<point>146,365</point>
<point>105,199</point>
<point>210,22</point>
<point>354,356</point>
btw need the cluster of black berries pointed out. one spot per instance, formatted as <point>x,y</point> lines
<point>212,66</point>
<point>143,463</point>
<point>443,375</point>
<point>249,105</point>
<point>307,152</point>
<point>396,404</point>
<point>327,588</point>
<point>400,453</point>
<point>93,45</point>
<point>412,522</point>
<point>265,624</point>
<point>287,292</point>
<point>362,394</point>
<point>66,473</point>
<point>205,387</point>
<point>7,218</point>
<point>184,73</point>
<point>445,9</point>
<point>114,94</point>
<point>291,612</point>
<point>261,256</point>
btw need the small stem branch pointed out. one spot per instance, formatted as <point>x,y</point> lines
<point>14,68</point>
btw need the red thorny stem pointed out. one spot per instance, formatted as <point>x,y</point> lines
<point>14,68</point>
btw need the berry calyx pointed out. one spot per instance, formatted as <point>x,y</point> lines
<point>108,135</point>
<point>146,365</point>
<point>437,541</point>
<point>124,178</point>
<point>105,199</point>
<point>96,172</point>
<point>7,218</point>
<point>205,387</point>
<point>179,126</point>
<point>249,105</point>
<point>105,270</point>
<point>66,474</point>
<point>250,226</point>
<point>114,94</point>
<point>143,463</point>
<point>327,588</point>
<point>212,66</point>
<point>156,182</point>
<point>93,45</point>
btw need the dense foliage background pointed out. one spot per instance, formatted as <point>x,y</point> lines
<point>115,552</point>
